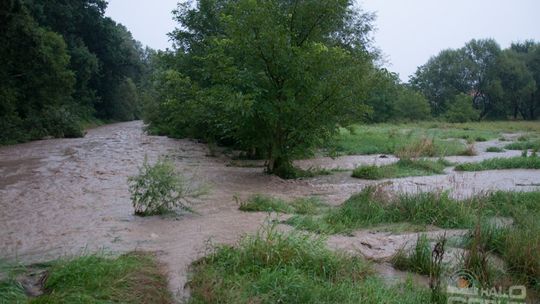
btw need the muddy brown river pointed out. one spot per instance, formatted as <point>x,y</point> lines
<point>65,197</point>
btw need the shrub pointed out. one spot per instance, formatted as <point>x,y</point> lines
<point>159,189</point>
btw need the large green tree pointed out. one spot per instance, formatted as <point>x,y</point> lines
<point>272,77</point>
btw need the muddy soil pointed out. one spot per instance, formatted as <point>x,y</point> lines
<point>65,197</point>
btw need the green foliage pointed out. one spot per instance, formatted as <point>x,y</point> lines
<point>461,110</point>
<point>62,63</point>
<point>279,90</point>
<point>130,278</point>
<point>500,82</point>
<point>502,163</point>
<point>159,189</point>
<point>403,168</point>
<point>272,267</point>
<point>411,106</point>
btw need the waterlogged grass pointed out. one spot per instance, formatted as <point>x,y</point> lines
<point>532,162</point>
<point>494,150</point>
<point>273,267</point>
<point>130,278</point>
<point>517,243</point>
<point>403,168</point>
<point>370,208</point>
<point>264,203</point>
<point>524,145</point>
<point>418,260</point>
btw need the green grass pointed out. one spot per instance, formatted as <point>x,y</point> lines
<point>372,207</point>
<point>524,145</point>
<point>494,150</point>
<point>369,208</point>
<point>273,267</point>
<point>403,168</point>
<point>265,203</point>
<point>130,278</point>
<point>390,139</point>
<point>418,260</point>
<point>532,162</point>
<point>12,291</point>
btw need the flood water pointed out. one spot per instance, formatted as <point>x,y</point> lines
<point>65,197</point>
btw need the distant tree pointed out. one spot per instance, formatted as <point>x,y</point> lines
<point>441,78</point>
<point>517,84</point>
<point>469,70</point>
<point>461,109</point>
<point>411,106</point>
<point>382,96</point>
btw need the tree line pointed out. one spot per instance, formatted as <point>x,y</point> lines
<point>62,63</point>
<point>483,81</point>
<point>276,78</point>
<point>273,78</point>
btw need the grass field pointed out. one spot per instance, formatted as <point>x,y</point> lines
<point>447,138</point>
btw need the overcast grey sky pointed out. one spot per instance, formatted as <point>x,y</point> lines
<point>408,32</point>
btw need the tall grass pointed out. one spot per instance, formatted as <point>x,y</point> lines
<point>130,278</point>
<point>532,162</point>
<point>369,208</point>
<point>418,260</point>
<point>264,203</point>
<point>273,267</point>
<point>403,168</point>
<point>524,145</point>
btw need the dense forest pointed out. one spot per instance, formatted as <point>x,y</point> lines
<point>64,63</point>
<point>271,78</point>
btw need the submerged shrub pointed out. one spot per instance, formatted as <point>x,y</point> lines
<point>159,189</point>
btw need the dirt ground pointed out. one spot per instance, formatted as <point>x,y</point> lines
<point>65,197</point>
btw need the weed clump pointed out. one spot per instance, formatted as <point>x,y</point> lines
<point>160,189</point>
<point>418,260</point>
